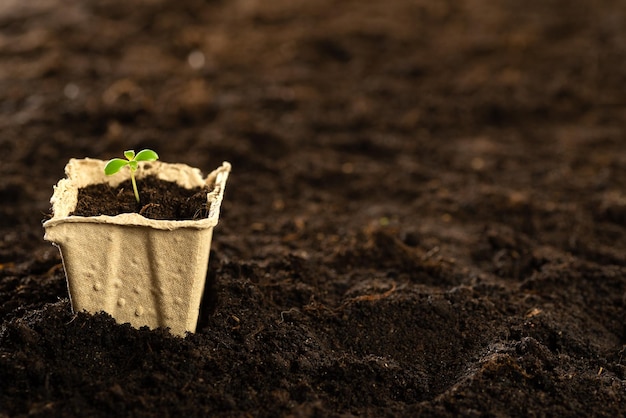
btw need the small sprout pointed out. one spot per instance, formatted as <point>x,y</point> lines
<point>131,161</point>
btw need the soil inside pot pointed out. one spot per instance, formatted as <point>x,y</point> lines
<point>159,199</point>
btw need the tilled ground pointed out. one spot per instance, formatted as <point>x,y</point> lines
<point>426,214</point>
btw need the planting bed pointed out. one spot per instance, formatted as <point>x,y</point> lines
<point>426,213</point>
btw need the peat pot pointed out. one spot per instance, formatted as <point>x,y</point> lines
<point>142,271</point>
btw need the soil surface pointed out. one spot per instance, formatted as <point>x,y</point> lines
<point>426,213</point>
<point>158,199</point>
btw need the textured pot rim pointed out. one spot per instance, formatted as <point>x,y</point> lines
<point>86,171</point>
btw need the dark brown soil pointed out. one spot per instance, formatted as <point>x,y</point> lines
<point>426,214</point>
<point>158,199</point>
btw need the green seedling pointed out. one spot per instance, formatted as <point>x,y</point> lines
<point>131,161</point>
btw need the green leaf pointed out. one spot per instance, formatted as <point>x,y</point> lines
<point>130,154</point>
<point>146,155</point>
<point>114,166</point>
<point>133,165</point>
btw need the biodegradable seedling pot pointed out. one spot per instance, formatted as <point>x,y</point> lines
<point>142,271</point>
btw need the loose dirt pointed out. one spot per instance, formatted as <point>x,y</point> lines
<point>426,213</point>
<point>158,199</point>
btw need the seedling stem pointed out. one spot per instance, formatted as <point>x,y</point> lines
<point>116,164</point>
